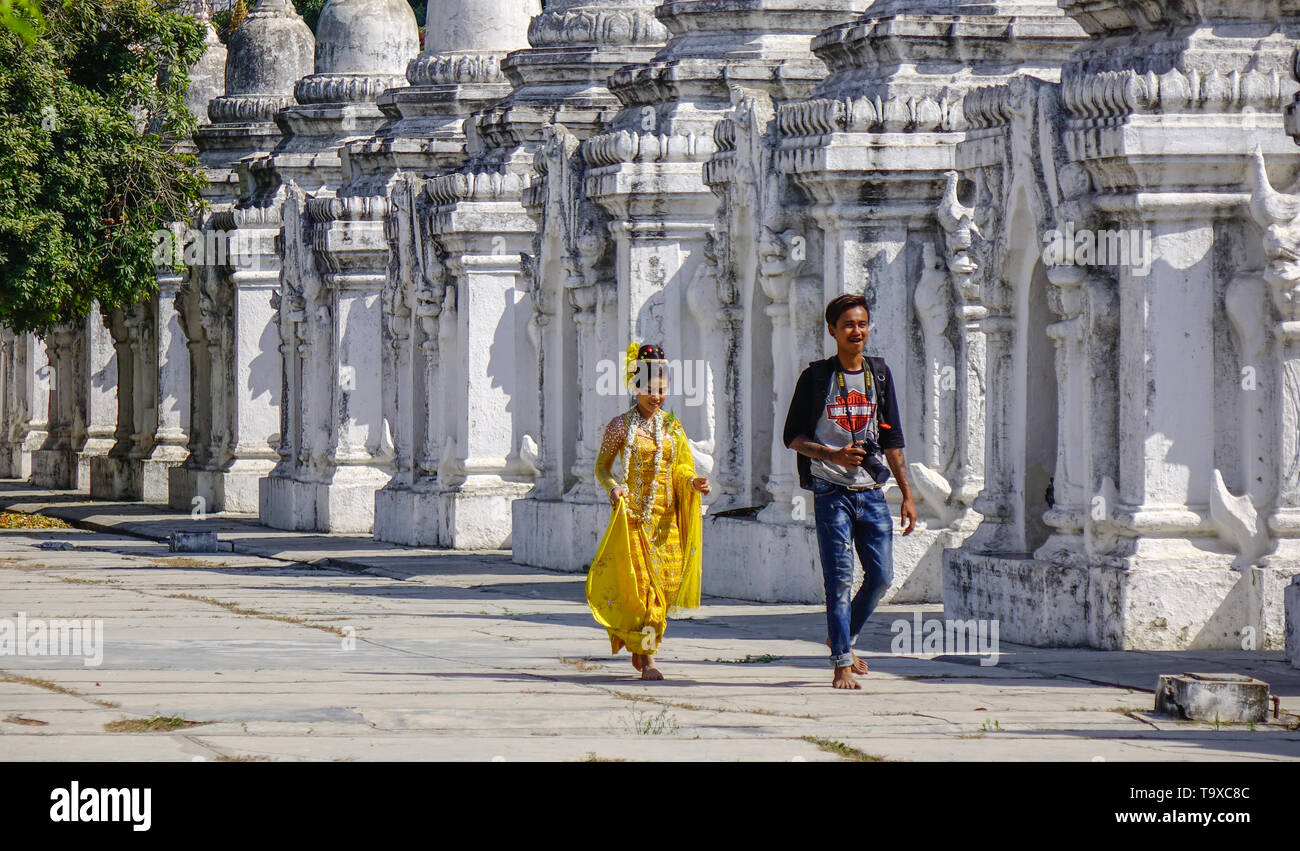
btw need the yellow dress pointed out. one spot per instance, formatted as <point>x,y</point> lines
<point>641,575</point>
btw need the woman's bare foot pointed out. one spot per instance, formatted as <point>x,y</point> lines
<point>638,661</point>
<point>844,678</point>
<point>651,672</point>
<point>859,667</point>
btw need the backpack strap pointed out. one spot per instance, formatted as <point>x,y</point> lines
<point>878,370</point>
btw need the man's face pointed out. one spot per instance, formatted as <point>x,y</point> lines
<point>850,330</point>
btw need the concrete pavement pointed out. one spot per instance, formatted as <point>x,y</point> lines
<point>329,647</point>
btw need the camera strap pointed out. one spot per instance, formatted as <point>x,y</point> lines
<point>844,399</point>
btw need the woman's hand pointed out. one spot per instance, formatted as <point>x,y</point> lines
<point>616,493</point>
<point>701,484</point>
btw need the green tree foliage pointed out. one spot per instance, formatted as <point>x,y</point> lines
<point>310,11</point>
<point>22,17</point>
<point>221,22</point>
<point>228,20</point>
<point>87,176</point>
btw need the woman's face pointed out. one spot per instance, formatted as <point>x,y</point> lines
<point>651,398</point>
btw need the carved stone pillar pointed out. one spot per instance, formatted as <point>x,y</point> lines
<point>759,248</point>
<point>960,232</point>
<point>872,151</point>
<point>111,476</point>
<point>457,74</point>
<point>783,482</point>
<point>1132,175</point>
<point>575,46</point>
<point>522,159</point>
<point>83,404</point>
<point>26,402</point>
<point>49,462</point>
<point>650,170</point>
<point>334,259</point>
<point>1051,335</point>
<point>128,472</point>
<point>222,304</point>
<point>171,414</point>
<point>1292,605</point>
<point>571,270</point>
<point>1276,530</point>
<point>481,360</point>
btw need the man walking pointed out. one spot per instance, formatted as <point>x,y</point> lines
<point>844,423</point>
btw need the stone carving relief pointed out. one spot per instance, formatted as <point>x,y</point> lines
<point>1278,213</point>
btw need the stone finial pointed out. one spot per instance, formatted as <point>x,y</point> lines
<point>207,76</point>
<point>269,52</point>
<point>611,22</point>
<point>455,25</point>
<point>362,48</point>
<point>465,39</point>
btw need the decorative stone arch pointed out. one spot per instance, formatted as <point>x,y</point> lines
<point>1050,330</point>
<point>1017,204</point>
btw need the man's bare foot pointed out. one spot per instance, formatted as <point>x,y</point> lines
<point>844,678</point>
<point>638,661</point>
<point>651,672</point>
<point>859,667</point>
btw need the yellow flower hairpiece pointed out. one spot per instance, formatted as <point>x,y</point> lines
<point>632,349</point>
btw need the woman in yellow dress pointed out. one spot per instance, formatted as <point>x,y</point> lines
<point>648,563</point>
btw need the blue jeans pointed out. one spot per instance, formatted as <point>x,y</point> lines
<point>846,519</point>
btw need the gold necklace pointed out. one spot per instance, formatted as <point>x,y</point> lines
<point>636,421</point>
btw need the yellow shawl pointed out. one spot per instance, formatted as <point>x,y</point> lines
<point>611,581</point>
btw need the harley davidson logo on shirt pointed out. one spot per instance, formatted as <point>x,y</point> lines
<point>852,412</point>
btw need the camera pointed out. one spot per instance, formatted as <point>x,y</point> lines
<point>874,462</point>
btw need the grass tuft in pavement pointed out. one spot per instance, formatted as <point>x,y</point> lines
<point>185,561</point>
<point>763,659</point>
<point>236,609</point>
<point>241,758</point>
<point>645,724</point>
<point>843,750</point>
<point>54,687</point>
<point>157,724</point>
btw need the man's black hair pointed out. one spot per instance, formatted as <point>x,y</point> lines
<point>842,303</point>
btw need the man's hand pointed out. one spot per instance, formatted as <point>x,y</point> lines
<point>616,493</point>
<point>907,516</point>
<point>850,456</point>
<point>898,466</point>
<point>701,484</point>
